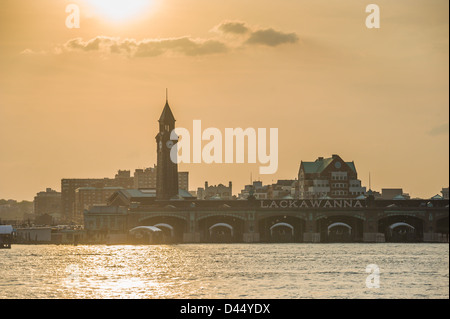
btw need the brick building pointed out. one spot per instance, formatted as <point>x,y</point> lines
<point>48,202</point>
<point>329,178</point>
<point>70,185</point>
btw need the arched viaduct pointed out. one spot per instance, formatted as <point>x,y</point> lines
<point>295,221</point>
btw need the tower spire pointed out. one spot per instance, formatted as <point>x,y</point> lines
<point>167,169</point>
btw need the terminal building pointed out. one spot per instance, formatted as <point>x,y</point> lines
<point>331,206</point>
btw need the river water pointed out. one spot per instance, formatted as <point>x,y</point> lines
<point>224,271</point>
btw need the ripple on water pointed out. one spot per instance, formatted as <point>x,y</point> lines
<point>224,271</point>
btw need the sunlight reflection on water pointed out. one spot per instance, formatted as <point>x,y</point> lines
<point>224,271</point>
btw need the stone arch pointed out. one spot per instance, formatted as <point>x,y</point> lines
<point>221,228</point>
<point>339,224</point>
<point>211,228</point>
<point>340,228</point>
<point>281,228</point>
<point>401,228</point>
<point>173,226</point>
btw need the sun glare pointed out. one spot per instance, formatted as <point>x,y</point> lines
<point>120,10</point>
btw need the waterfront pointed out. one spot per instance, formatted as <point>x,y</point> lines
<point>224,271</point>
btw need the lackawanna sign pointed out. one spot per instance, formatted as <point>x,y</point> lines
<point>313,203</point>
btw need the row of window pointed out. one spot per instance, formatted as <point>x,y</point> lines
<point>339,192</point>
<point>306,194</point>
<point>339,185</point>
<point>338,177</point>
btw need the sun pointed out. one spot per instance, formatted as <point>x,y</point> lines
<point>119,10</point>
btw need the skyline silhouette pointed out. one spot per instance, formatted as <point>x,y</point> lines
<point>82,102</point>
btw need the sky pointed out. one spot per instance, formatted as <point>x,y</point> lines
<point>84,102</point>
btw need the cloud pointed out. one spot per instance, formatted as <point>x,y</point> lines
<point>220,43</point>
<point>439,130</point>
<point>183,45</point>
<point>146,48</point>
<point>233,27</point>
<point>271,37</point>
<point>31,52</point>
<point>96,44</point>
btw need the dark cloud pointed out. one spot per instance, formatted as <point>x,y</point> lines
<point>271,37</point>
<point>233,27</point>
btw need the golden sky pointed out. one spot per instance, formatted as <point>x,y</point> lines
<point>84,102</point>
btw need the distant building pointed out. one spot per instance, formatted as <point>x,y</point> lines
<point>257,190</point>
<point>329,178</point>
<point>11,211</point>
<point>125,175</point>
<point>444,192</point>
<point>48,202</point>
<point>146,179</point>
<point>375,194</point>
<point>69,186</point>
<point>183,181</point>
<point>215,192</point>
<point>393,193</point>
<point>86,197</point>
<point>282,189</point>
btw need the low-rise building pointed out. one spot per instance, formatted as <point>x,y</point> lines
<point>215,192</point>
<point>393,193</point>
<point>282,189</point>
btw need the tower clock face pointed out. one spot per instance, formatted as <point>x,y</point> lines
<point>337,164</point>
<point>169,144</point>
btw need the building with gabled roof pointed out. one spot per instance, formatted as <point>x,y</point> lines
<point>126,197</point>
<point>329,177</point>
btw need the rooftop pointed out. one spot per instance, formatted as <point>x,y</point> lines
<point>320,164</point>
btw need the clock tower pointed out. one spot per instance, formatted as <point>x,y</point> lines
<point>166,169</point>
